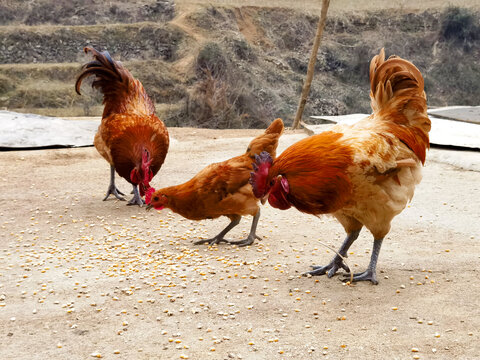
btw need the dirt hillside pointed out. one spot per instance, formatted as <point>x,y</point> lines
<point>227,64</point>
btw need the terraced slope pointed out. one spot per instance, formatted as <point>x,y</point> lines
<point>230,66</point>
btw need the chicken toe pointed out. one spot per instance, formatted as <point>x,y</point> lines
<point>219,238</point>
<point>337,262</point>
<point>112,189</point>
<point>115,192</point>
<point>245,242</point>
<point>213,241</point>
<point>371,273</point>
<point>252,236</point>
<point>136,199</point>
<point>330,269</point>
<point>367,275</point>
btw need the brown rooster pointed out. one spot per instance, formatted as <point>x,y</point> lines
<point>130,137</point>
<point>363,174</point>
<point>220,189</point>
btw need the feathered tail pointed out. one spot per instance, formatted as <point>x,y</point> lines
<point>268,141</point>
<point>399,102</point>
<point>122,93</point>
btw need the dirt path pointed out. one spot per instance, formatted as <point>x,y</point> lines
<point>246,26</point>
<point>80,277</point>
<point>184,64</point>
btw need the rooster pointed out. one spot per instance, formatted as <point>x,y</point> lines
<point>220,189</point>
<point>130,137</point>
<point>363,174</point>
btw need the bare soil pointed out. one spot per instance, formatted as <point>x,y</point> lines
<point>80,277</point>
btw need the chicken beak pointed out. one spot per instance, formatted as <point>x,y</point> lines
<point>149,207</point>
<point>264,199</point>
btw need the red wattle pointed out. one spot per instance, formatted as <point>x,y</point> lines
<point>148,195</point>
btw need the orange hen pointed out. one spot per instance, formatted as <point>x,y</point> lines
<point>130,137</point>
<point>220,189</point>
<point>364,174</point>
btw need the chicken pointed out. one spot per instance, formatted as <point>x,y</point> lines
<point>130,137</point>
<point>363,174</point>
<point>220,189</point>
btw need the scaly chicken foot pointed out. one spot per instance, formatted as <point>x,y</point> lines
<point>252,236</point>
<point>213,241</point>
<point>137,199</point>
<point>248,241</point>
<point>112,189</point>
<point>371,273</point>
<point>337,262</point>
<point>219,238</point>
<point>330,269</point>
<point>367,275</point>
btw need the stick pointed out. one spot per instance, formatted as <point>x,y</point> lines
<point>344,261</point>
<point>311,64</point>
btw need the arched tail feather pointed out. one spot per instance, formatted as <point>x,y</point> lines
<point>399,102</point>
<point>103,67</point>
<point>121,91</point>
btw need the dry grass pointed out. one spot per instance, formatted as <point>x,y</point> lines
<point>48,89</point>
<point>86,12</point>
<point>88,30</point>
<point>258,64</point>
<point>78,112</point>
<point>336,6</point>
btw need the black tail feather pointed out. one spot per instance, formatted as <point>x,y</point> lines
<point>103,67</point>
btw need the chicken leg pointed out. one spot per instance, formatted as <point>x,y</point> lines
<point>371,273</point>
<point>252,236</point>
<point>112,189</point>
<point>248,241</point>
<point>219,238</point>
<point>136,199</point>
<point>337,261</point>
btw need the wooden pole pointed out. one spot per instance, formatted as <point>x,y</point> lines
<point>311,64</point>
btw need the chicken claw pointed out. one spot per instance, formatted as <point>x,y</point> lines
<point>252,236</point>
<point>112,189</point>
<point>248,241</point>
<point>371,273</point>
<point>213,241</point>
<point>219,238</point>
<point>136,199</point>
<point>367,275</point>
<point>337,262</point>
<point>115,192</point>
<point>330,269</point>
<point>234,222</point>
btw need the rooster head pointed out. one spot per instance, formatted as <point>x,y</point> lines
<point>279,190</point>
<point>259,176</point>
<point>268,186</point>
<point>155,199</point>
<point>142,174</point>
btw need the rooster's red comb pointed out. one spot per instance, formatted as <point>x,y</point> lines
<point>258,178</point>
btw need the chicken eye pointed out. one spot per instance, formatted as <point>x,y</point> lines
<point>155,198</point>
<point>272,182</point>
